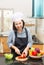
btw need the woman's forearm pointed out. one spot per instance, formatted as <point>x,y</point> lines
<point>13,47</point>
<point>27,48</point>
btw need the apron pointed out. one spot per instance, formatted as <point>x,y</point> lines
<point>20,43</point>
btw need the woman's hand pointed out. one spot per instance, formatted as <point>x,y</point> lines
<point>17,51</point>
<point>26,51</point>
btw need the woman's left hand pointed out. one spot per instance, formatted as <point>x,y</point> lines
<point>25,51</point>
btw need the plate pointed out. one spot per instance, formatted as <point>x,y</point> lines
<point>36,57</point>
<point>19,59</point>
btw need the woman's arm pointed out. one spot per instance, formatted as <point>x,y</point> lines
<point>16,49</point>
<point>30,41</point>
<point>11,38</point>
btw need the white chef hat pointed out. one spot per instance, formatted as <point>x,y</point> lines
<point>18,16</point>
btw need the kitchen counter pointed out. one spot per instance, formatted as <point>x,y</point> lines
<point>30,61</point>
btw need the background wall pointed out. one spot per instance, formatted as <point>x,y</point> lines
<point>40,29</point>
<point>24,6</point>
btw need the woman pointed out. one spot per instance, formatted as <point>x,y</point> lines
<point>19,39</point>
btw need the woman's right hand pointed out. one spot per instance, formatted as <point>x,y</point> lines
<point>17,51</point>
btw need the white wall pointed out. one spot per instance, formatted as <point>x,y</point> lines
<point>24,6</point>
<point>40,29</point>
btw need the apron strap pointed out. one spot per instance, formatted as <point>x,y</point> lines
<point>26,34</point>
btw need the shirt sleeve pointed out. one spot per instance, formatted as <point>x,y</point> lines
<point>30,41</point>
<point>10,39</point>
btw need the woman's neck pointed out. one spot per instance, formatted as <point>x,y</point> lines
<point>20,31</point>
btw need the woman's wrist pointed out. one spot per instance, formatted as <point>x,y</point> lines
<point>13,47</point>
<point>27,48</point>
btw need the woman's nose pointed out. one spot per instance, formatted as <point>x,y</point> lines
<point>18,25</point>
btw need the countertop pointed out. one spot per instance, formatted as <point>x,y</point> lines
<point>30,61</point>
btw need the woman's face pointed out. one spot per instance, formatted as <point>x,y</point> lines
<point>19,25</point>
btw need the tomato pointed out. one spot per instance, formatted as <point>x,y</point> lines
<point>22,56</point>
<point>34,53</point>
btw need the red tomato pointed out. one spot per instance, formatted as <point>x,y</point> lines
<point>34,53</point>
<point>23,55</point>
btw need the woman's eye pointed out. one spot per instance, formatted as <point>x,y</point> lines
<point>19,23</point>
<point>16,24</point>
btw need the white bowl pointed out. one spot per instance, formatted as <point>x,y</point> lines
<point>36,57</point>
<point>20,59</point>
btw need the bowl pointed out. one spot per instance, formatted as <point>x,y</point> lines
<point>36,57</point>
<point>21,59</point>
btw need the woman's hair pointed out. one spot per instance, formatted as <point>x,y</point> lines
<point>14,28</point>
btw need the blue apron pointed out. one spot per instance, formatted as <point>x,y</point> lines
<point>20,43</point>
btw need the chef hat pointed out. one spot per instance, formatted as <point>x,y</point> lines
<point>18,16</point>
